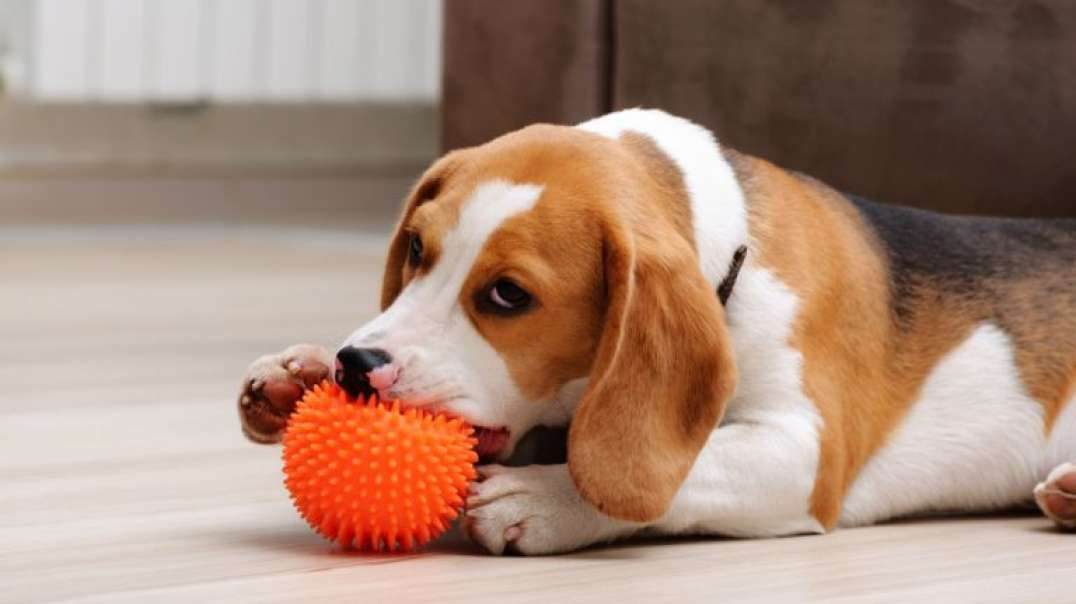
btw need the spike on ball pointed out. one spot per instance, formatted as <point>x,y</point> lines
<point>369,475</point>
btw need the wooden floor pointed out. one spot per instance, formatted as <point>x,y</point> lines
<point>125,478</point>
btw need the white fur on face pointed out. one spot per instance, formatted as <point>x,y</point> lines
<point>442,360</point>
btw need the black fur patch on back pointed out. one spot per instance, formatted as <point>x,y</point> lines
<point>968,255</point>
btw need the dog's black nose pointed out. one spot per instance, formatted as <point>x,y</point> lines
<point>353,365</point>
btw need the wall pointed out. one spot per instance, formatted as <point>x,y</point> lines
<point>154,87</point>
<point>232,50</point>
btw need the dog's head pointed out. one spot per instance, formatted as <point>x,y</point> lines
<point>548,277</point>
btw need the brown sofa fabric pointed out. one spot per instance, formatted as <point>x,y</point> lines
<point>510,63</point>
<point>957,105</point>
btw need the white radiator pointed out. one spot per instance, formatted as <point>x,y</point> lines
<point>232,50</point>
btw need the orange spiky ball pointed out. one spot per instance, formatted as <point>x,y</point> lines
<point>368,475</point>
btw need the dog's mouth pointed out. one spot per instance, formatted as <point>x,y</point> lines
<point>491,442</point>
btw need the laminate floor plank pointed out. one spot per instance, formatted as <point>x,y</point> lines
<point>125,478</point>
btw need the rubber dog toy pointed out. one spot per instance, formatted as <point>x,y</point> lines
<point>367,475</point>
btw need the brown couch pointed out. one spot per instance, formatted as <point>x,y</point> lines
<point>957,105</point>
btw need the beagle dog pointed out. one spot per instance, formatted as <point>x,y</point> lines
<point>736,349</point>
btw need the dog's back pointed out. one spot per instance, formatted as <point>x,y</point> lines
<point>965,254</point>
<point>1003,290</point>
<point>1017,273</point>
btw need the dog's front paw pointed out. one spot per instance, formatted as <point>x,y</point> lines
<point>274,384</point>
<point>1057,495</point>
<point>533,510</point>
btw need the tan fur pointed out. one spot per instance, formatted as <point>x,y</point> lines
<point>1043,325</point>
<point>860,370</point>
<point>660,182</point>
<point>816,250</point>
<point>431,185</point>
<point>630,308</point>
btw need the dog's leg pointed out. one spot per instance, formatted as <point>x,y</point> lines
<point>1057,495</point>
<point>274,383</point>
<point>750,480</point>
<point>535,510</point>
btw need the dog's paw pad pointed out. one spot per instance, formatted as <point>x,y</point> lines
<point>274,384</point>
<point>1056,495</point>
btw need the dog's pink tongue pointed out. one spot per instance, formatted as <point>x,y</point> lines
<point>490,441</point>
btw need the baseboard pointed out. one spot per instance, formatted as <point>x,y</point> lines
<point>85,139</point>
<point>364,203</point>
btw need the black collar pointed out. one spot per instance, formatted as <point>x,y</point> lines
<point>724,290</point>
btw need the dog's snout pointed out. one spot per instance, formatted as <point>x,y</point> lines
<point>353,366</point>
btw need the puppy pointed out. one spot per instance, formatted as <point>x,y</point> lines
<point>737,349</point>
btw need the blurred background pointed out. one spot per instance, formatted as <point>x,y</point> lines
<point>185,185</point>
<point>247,111</point>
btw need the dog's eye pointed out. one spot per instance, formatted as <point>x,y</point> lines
<point>508,296</point>
<point>415,249</point>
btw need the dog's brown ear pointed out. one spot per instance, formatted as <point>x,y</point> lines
<point>392,282</point>
<point>663,372</point>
